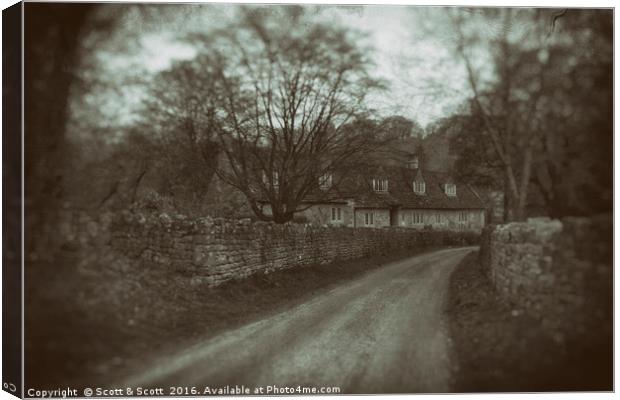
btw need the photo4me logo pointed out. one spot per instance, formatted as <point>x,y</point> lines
<point>268,390</point>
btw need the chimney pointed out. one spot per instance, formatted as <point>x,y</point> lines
<point>413,163</point>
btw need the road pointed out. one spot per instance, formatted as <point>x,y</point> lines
<point>383,332</point>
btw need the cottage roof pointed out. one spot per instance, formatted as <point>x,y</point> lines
<point>434,197</point>
<point>358,188</point>
<point>418,176</point>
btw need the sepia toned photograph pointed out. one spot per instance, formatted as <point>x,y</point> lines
<point>310,199</point>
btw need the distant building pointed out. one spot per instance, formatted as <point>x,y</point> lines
<point>404,196</point>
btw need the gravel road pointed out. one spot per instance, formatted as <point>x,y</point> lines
<point>381,333</point>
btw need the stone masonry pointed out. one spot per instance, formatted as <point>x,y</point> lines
<point>213,251</point>
<point>557,271</point>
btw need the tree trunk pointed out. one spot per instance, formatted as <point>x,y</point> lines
<point>526,173</point>
<point>519,212</point>
<point>51,40</point>
<point>136,184</point>
<point>282,217</point>
<point>508,201</point>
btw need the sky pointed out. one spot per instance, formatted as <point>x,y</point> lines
<point>412,53</point>
<point>414,58</point>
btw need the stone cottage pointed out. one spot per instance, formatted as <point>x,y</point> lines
<point>404,196</point>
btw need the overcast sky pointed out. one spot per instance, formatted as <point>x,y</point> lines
<point>412,52</point>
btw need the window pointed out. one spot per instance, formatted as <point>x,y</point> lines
<point>275,179</point>
<point>450,189</point>
<point>380,185</point>
<point>336,214</point>
<point>418,218</point>
<point>463,216</point>
<point>419,187</point>
<point>325,181</point>
<point>369,218</point>
<point>438,218</point>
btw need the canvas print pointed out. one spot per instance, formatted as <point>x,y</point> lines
<point>300,199</point>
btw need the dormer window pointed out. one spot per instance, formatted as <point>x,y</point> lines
<point>325,181</point>
<point>450,189</point>
<point>380,185</point>
<point>419,187</point>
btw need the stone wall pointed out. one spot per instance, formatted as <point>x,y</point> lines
<point>558,271</point>
<point>213,251</point>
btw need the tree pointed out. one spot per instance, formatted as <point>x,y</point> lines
<point>525,105</point>
<point>501,112</point>
<point>58,41</point>
<point>401,128</point>
<point>440,153</point>
<point>285,92</point>
<point>179,113</point>
<point>397,139</point>
<point>475,162</point>
<point>574,174</point>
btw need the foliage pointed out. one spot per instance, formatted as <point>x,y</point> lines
<point>542,105</point>
<point>436,148</point>
<point>401,128</point>
<point>475,162</point>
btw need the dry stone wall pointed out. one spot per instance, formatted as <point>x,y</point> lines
<point>213,251</point>
<point>558,271</point>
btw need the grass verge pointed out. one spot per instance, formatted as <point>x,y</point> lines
<point>94,322</point>
<point>498,348</point>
